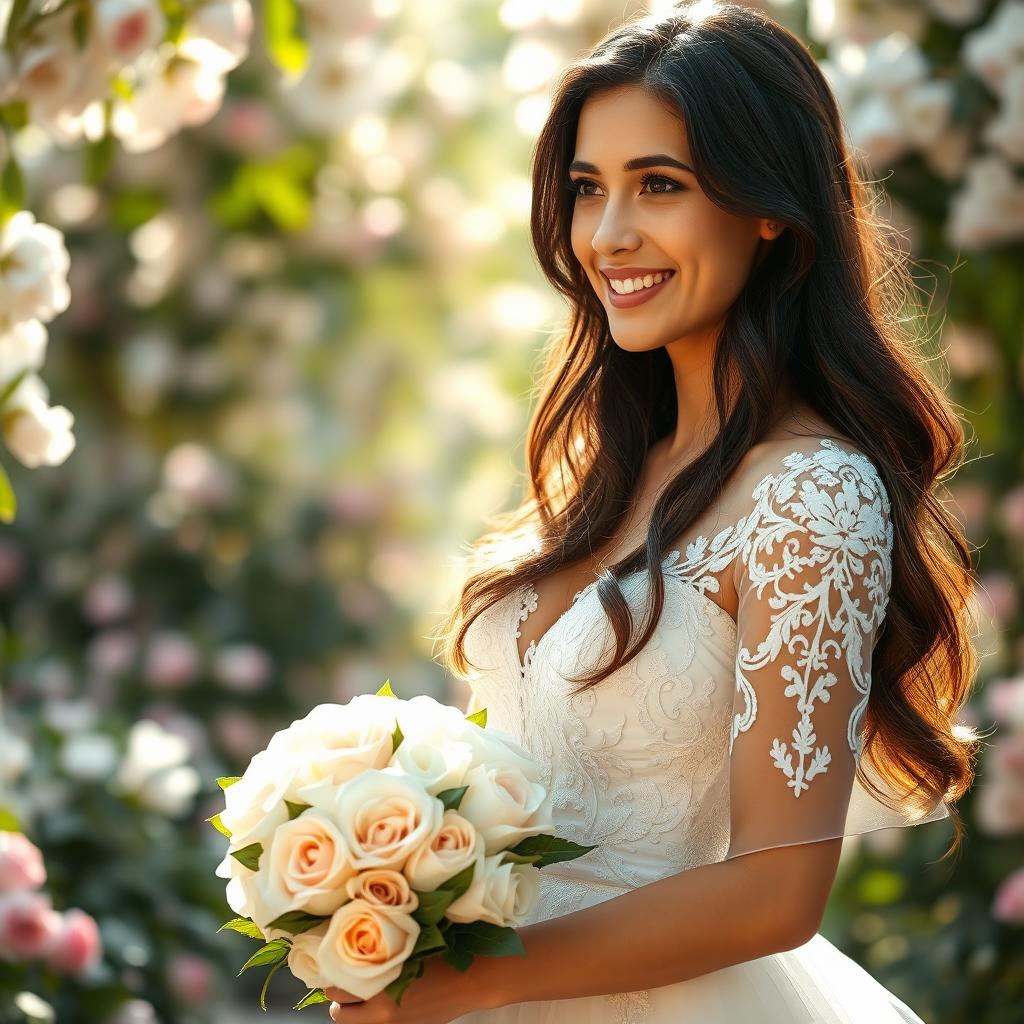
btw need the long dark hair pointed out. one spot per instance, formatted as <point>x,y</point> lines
<point>824,313</point>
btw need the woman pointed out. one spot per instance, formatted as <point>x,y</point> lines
<point>736,402</point>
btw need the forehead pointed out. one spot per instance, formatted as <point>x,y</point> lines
<point>627,121</point>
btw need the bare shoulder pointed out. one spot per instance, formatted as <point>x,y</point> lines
<point>801,431</point>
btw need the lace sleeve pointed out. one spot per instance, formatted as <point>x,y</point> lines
<point>813,577</point>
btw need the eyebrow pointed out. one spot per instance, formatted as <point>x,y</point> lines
<point>636,164</point>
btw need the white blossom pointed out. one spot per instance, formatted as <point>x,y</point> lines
<point>22,350</point>
<point>36,433</point>
<point>990,207</point>
<point>33,271</point>
<point>125,29</point>
<point>217,35</point>
<point>993,49</point>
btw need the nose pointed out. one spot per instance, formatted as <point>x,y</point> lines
<point>614,231</point>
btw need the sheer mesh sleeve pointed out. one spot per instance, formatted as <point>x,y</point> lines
<point>813,577</point>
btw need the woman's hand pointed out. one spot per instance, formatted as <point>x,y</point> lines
<point>440,995</point>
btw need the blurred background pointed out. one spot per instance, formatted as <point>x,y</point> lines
<point>269,321</point>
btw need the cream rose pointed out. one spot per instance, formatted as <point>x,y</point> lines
<point>384,817</point>
<point>504,805</point>
<point>451,851</point>
<point>337,742</point>
<point>306,868</point>
<point>303,957</point>
<point>365,947</point>
<point>503,894</point>
<point>256,801</point>
<point>383,888</point>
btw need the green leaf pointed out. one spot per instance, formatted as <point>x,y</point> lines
<point>396,738</point>
<point>9,820</point>
<point>385,690</point>
<point>281,30</point>
<point>219,825</point>
<point>480,717</point>
<point>488,939</point>
<point>451,798</point>
<point>294,810</point>
<point>411,970</point>
<point>8,510</point>
<point>12,189</point>
<point>552,849</point>
<point>273,952</point>
<point>266,982</point>
<point>458,958</point>
<point>99,155</point>
<point>429,940</point>
<point>14,115</point>
<point>80,25</point>
<point>432,906</point>
<point>311,998</point>
<point>131,208</point>
<point>249,855</point>
<point>228,780</point>
<point>297,921</point>
<point>519,858</point>
<point>244,926</point>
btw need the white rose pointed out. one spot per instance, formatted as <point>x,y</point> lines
<point>305,868</point>
<point>256,801</point>
<point>337,742</point>
<point>503,894</point>
<point>37,433</point>
<point>125,29</point>
<point>383,888</point>
<point>33,271</point>
<point>365,947</point>
<point>384,817</point>
<point>303,957</point>
<point>451,851</point>
<point>504,804</point>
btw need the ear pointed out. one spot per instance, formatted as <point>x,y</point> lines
<point>770,229</point>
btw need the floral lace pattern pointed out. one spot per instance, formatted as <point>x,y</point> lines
<point>639,766</point>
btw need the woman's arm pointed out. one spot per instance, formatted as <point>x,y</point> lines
<point>679,927</point>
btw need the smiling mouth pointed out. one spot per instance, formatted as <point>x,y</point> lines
<point>637,296</point>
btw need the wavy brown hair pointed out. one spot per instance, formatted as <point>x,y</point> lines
<point>825,312</point>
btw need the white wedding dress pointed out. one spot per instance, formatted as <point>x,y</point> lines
<point>656,765</point>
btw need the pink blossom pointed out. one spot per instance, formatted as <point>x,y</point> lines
<point>190,977</point>
<point>77,948</point>
<point>28,925</point>
<point>1004,700</point>
<point>21,863</point>
<point>1008,904</point>
<point>172,660</point>
<point>1011,512</point>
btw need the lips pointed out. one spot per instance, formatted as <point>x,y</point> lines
<point>639,297</point>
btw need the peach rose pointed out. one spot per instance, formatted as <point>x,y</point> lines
<point>383,888</point>
<point>450,851</point>
<point>384,817</point>
<point>306,868</point>
<point>365,947</point>
<point>505,805</point>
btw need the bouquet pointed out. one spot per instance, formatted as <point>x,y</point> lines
<point>371,835</point>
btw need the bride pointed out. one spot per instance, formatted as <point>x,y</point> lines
<point>730,621</point>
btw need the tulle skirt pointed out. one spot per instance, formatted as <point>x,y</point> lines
<point>815,983</point>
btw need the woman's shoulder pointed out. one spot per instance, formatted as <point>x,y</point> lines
<point>809,450</point>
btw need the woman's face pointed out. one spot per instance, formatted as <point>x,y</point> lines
<point>653,218</point>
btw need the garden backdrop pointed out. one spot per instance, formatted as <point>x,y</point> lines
<point>269,323</point>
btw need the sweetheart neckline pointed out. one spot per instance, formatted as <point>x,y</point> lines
<point>825,445</point>
<point>666,562</point>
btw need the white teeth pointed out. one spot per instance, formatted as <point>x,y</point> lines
<point>634,284</point>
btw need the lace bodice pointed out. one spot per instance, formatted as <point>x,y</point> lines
<point>720,737</point>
